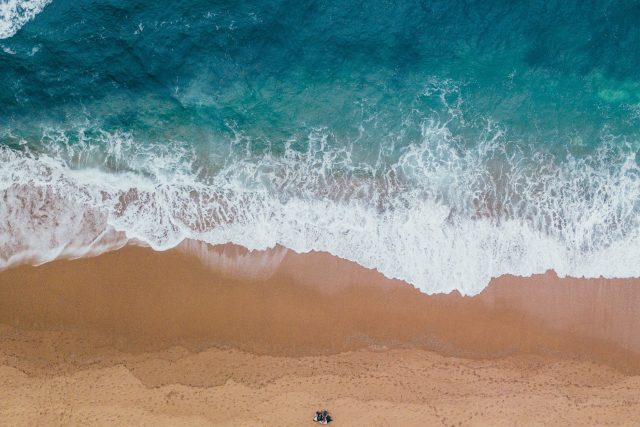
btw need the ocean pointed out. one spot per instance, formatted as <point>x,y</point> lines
<point>442,143</point>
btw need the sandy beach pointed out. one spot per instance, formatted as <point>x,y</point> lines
<point>201,335</point>
<point>241,213</point>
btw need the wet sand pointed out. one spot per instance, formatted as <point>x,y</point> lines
<point>205,335</point>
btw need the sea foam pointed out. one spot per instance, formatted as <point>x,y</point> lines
<point>444,215</point>
<point>15,13</point>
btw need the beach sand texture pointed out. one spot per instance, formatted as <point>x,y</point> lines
<point>163,338</point>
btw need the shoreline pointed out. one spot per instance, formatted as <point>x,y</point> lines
<point>317,303</point>
<point>237,338</point>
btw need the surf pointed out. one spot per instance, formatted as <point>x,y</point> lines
<point>441,216</point>
<point>14,14</point>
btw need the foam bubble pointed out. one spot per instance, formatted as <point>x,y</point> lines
<point>15,13</point>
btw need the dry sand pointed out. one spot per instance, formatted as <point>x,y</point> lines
<point>230,337</point>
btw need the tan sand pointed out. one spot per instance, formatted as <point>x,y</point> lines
<point>135,337</point>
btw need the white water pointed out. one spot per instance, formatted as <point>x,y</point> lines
<point>441,217</point>
<point>15,13</point>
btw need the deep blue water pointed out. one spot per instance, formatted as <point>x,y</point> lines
<point>442,142</point>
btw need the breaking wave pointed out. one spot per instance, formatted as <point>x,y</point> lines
<point>442,214</point>
<point>15,13</point>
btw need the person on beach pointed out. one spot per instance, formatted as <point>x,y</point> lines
<point>322,417</point>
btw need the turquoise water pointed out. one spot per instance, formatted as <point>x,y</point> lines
<point>440,142</point>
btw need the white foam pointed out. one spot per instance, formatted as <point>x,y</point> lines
<point>15,13</point>
<point>7,50</point>
<point>445,216</point>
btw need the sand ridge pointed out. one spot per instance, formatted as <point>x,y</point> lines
<point>231,387</point>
